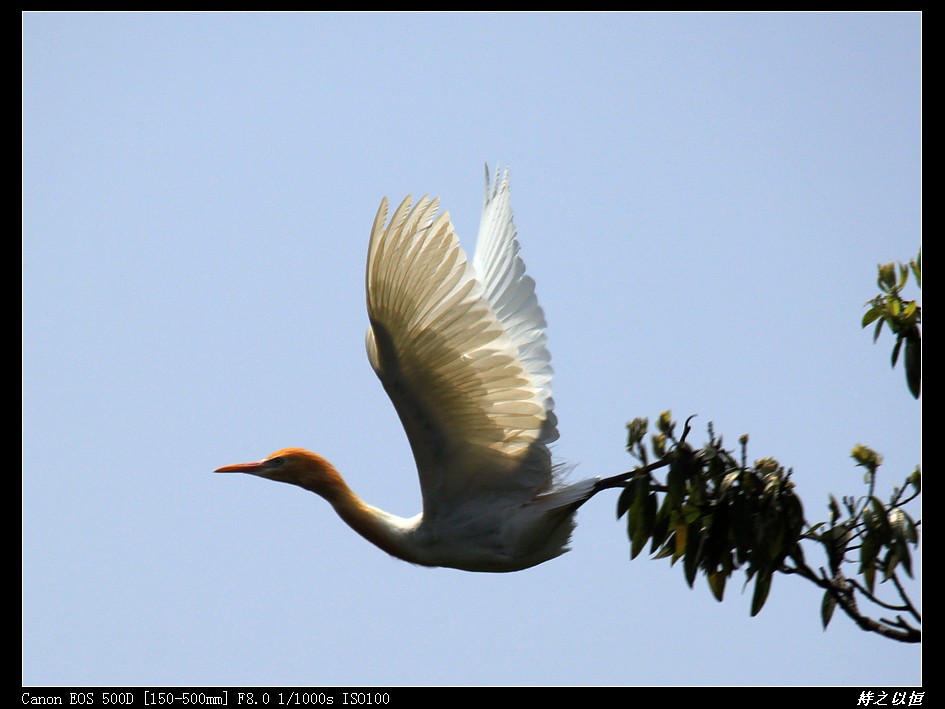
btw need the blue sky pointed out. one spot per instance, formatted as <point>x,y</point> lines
<point>701,198</point>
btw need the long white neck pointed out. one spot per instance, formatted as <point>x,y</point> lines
<point>389,532</point>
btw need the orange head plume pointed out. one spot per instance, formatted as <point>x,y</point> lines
<point>295,466</point>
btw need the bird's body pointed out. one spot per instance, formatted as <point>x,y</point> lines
<point>460,349</point>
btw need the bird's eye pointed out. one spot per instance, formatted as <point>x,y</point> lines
<point>277,461</point>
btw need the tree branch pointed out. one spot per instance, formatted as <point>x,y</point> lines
<point>842,591</point>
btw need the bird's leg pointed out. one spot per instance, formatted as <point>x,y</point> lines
<point>621,479</point>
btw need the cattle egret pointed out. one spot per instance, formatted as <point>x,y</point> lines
<point>460,349</point>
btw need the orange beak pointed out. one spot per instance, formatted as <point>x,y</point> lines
<point>242,467</point>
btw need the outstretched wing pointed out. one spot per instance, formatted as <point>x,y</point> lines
<point>475,416</point>
<point>511,292</point>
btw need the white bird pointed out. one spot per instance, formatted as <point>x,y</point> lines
<point>460,349</point>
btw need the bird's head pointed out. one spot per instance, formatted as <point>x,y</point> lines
<point>295,466</point>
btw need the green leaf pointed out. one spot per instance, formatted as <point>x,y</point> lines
<point>681,535</point>
<point>661,526</point>
<point>691,513</point>
<point>913,363</point>
<point>870,547</point>
<point>834,510</point>
<point>870,315</point>
<point>676,483</point>
<point>827,606</point>
<point>691,557</point>
<point>886,279</point>
<point>715,542</point>
<point>895,350</point>
<point>625,500</point>
<point>894,556</point>
<point>910,534</point>
<point>665,422</point>
<point>636,430</point>
<point>665,551</point>
<point>906,558</point>
<point>729,480</point>
<point>879,327</point>
<point>897,523</point>
<point>869,576</point>
<point>743,528</point>
<point>762,587</point>
<point>716,581</point>
<point>649,511</point>
<point>915,479</point>
<point>879,519</point>
<point>658,442</point>
<point>641,516</point>
<point>903,276</point>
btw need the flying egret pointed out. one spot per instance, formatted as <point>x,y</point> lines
<point>460,349</point>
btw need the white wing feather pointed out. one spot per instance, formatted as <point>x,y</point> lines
<point>511,292</point>
<point>465,365</point>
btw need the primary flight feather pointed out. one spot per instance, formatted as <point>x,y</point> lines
<point>460,349</point>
